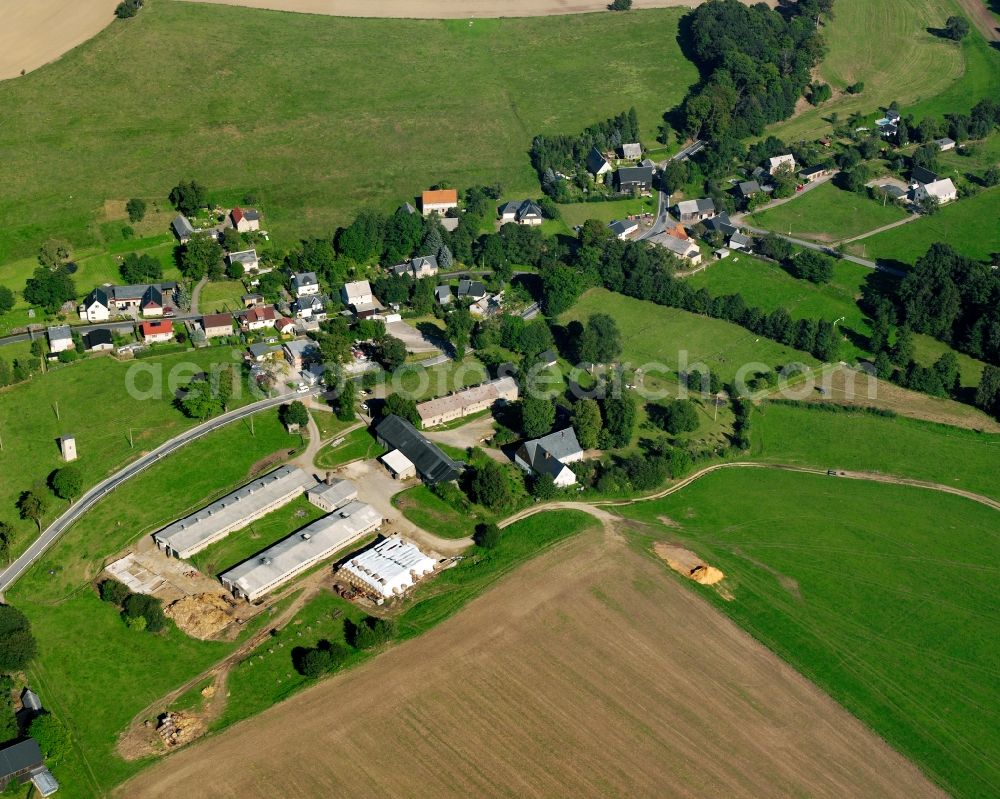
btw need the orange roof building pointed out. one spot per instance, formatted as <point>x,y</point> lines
<point>439,200</point>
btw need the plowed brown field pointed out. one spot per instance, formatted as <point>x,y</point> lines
<point>589,671</point>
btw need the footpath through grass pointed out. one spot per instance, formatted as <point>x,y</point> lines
<point>153,100</point>
<point>884,596</point>
<point>804,435</point>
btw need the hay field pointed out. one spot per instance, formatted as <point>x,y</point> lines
<point>590,671</point>
<point>37,32</point>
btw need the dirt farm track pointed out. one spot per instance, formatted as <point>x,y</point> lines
<point>589,671</point>
<point>35,32</point>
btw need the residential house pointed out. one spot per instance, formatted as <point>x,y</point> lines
<point>623,230</point>
<point>284,325</point>
<point>146,300</point>
<point>258,318</point>
<point>263,351</point>
<point>525,212</point>
<point>311,307</point>
<point>682,248</point>
<point>632,150</point>
<point>780,162</point>
<point>551,455</point>
<point>182,228</point>
<point>430,463</point>
<point>471,290</point>
<point>96,307</point>
<point>487,306</point>
<point>722,224</point>
<point>466,402</point>
<point>740,241</point>
<point>695,210</point>
<point>815,173</point>
<point>748,188</point>
<point>305,284</point>
<point>19,761</point>
<point>299,352</point>
<point>159,331</point>
<point>217,325</point>
<point>245,219</point>
<point>597,164</point>
<point>443,294</point>
<point>100,340</point>
<point>246,258</point>
<point>424,266</point>
<point>634,179</point>
<point>438,200</point>
<point>945,144</point>
<point>358,292</point>
<point>648,162</point>
<point>943,191</point>
<point>60,338</point>
<point>250,300</point>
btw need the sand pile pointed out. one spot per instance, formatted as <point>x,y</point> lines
<point>684,561</point>
<point>178,728</point>
<point>201,615</point>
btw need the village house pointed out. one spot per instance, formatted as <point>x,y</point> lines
<point>99,340</point>
<point>597,164</point>
<point>305,284</point>
<point>634,179</point>
<point>945,144</point>
<point>156,332</point>
<point>299,352</point>
<point>781,162</point>
<point>438,200</point>
<point>284,325</point>
<point>748,188</point>
<point>245,219</point>
<point>96,307</point>
<point>466,402</point>
<point>551,455</point>
<point>443,294</point>
<point>262,351</point>
<point>182,228</point>
<point>682,248</point>
<point>525,212</point>
<point>217,325</point>
<point>246,258</point>
<point>695,210</point>
<point>632,151</point>
<point>146,300</point>
<point>258,318</point>
<point>740,241</point>
<point>623,230</point>
<point>721,224</point>
<point>357,293</point>
<point>250,300</point>
<point>332,494</point>
<point>21,763</point>
<point>943,191</point>
<point>60,338</point>
<point>471,290</point>
<point>487,306</point>
<point>311,307</point>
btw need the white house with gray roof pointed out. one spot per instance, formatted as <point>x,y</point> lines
<point>305,284</point>
<point>551,455</point>
<point>60,338</point>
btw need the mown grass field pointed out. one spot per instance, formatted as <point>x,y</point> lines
<point>95,404</point>
<point>242,544</point>
<point>968,225</point>
<point>656,334</point>
<point>881,595</point>
<point>828,214</point>
<point>768,286</point>
<point>804,436</point>
<point>221,295</point>
<point>95,673</point>
<point>886,44</point>
<point>338,113</point>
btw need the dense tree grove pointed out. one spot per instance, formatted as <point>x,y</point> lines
<point>188,197</point>
<point>143,268</point>
<point>568,154</point>
<point>50,287</point>
<point>955,299</point>
<point>756,62</point>
<point>17,643</point>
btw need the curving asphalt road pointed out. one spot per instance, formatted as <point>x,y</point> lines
<point>52,533</point>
